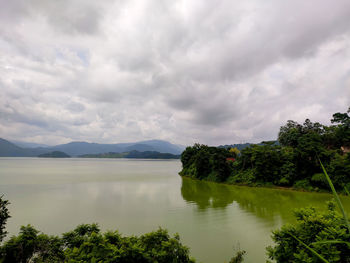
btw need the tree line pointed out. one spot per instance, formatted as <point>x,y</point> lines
<point>86,243</point>
<point>291,161</point>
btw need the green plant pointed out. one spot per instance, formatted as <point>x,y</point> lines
<point>4,215</point>
<point>317,237</point>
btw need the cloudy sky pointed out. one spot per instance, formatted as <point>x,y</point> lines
<point>214,72</point>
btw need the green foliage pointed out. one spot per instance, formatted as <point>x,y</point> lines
<point>4,215</point>
<point>342,129</point>
<point>331,232</point>
<point>238,257</point>
<point>30,246</point>
<point>235,152</point>
<point>207,163</point>
<point>312,228</point>
<point>87,244</point>
<point>293,162</point>
<point>303,184</point>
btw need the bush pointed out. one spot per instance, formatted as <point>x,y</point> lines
<point>312,226</point>
<point>87,244</point>
<point>303,184</point>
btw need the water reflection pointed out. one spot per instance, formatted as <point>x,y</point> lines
<point>205,194</point>
<point>267,204</point>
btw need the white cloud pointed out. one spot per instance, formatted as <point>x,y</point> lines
<point>187,71</point>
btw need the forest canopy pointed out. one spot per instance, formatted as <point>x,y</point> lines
<point>291,161</point>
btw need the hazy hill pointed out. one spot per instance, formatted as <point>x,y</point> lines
<point>165,147</point>
<point>8,149</point>
<point>28,144</point>
<point>139,147</point>
<point>54,154</point>
<point>80,148</point>
<point>133,155</point>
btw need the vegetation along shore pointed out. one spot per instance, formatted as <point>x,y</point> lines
<point>291,161</point>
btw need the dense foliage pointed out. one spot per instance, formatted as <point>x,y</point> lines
<point>292,161</point>
<point>4,215</point>
<point>312,227</point>
<point>204,162</point>
<point>87,244</point>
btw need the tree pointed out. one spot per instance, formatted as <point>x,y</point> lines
<point>4,215</point>
<point>289,134</point>
<point>342,131</point>
<point>30,246</point>
<point>235,152</point>
<point>87,244</point>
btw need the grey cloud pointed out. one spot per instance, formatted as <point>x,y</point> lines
<point>186,71</point>
<point>69,17</point>
<point>76,107</point>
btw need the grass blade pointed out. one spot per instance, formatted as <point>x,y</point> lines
<point>310,249</point>
<point>337,199</point>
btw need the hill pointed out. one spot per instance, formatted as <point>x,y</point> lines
<point>80,148</point>
<point>133,155</point>
<point>28,144</point>
<point>8,149</point>
<point>54,154</point>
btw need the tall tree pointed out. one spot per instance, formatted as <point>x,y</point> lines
<point>4,215</point>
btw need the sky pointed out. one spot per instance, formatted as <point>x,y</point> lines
<point>212,72</point>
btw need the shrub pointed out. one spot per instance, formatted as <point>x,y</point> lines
<point>312,226</point>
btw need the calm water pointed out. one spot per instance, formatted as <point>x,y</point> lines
<point>138,196</point>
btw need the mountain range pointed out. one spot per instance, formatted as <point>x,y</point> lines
<point>13,149</point>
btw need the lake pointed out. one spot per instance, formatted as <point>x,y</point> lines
<point>138,196</point>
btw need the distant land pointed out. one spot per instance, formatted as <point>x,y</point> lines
<point>134,155</point>
<point>74,149</point>
<point>54,154</point>
<point>240,146</point>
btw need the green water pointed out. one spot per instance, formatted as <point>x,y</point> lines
<point>138,196</point>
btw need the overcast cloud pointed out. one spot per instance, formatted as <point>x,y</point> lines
<point>214,72</point>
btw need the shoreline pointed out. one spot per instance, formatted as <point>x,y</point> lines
<point>274,187</point>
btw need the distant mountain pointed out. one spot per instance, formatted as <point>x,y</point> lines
<point>8,149</point>
<point>133,155</point>
<point>139,147</point>
<point>28,144</point>
<point>80,148</point>
<point>165,147</point>
<point>54,154</point>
